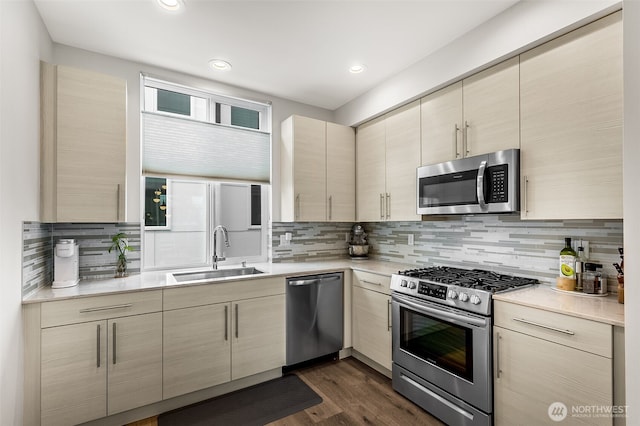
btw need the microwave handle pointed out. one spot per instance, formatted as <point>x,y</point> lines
<point>480,185</point>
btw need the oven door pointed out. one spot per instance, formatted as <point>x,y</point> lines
<point>447,347</point>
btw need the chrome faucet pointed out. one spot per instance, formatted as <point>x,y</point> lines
<point>217,258</point>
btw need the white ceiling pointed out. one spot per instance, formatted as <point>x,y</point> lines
<point>298,49</point>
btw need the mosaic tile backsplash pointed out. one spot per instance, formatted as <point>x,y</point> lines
<point>501,243</point>
<point>94,240</point>
<point>310,241</point>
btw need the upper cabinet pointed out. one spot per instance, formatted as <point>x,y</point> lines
<point>388,153</point>
<point>317,162</point>
<point>571,142</point>
<point>83,145</point>
<point>477,115</point>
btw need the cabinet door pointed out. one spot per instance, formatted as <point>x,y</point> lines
<point>258,335</point>
<point>371,325</point>
<point>442,122</point>
<point>341,173</point>
<point>491,106</point>
<point>402,159</point>
<point>370,171</point>
<point>74,373</point>
<point>91,146</point>
<point>571,106</point>
<point>196,349</point>
<point>531,374</point>
<point>135,361</point>
<point>309,169</point>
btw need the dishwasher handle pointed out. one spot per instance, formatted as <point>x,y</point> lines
<point>313,280</point>
<point>303,282</point>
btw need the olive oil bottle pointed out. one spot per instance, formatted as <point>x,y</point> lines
<point>568,260</point>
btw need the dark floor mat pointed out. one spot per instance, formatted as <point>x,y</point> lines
<point>256,405</point>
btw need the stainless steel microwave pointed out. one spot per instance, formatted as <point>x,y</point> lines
<point>488,183</point>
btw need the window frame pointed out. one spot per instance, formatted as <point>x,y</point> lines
<point>263,109</point>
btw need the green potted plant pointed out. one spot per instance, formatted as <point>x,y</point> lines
<point>121,245</point>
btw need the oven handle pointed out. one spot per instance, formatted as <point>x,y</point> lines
<point>441,314</point>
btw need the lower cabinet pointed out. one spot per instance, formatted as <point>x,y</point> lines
<point>550,367</point>
<point>215,343</point>
<point>371,317</point>
<point>74,373</point>
<point>258,336</point>
<point>94,369</point>
<point>197,349</point>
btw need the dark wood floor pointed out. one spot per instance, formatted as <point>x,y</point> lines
<point>352,394</point>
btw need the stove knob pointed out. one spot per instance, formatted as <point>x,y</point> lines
<point>464,297</point>
<point>475,300</point>
<point>452,294</point>
<point>412,285</point>
<point>403,283</point>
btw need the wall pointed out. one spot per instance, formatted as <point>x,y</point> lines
<point>310,241</point>
<point>23,41</point>
<point>94,241</point>
<point>500,243</point>
<point>631,158</point>
<point>281,109</point>
<point>517,29</point>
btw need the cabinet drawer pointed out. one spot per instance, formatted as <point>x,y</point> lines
<point>371,281</point>
<point>579,333</point>
<point>96,308</point>
<point>208,294</point>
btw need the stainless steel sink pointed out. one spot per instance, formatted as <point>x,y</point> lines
<point>218,273</point>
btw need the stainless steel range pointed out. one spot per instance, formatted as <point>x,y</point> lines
<point>441,334</point>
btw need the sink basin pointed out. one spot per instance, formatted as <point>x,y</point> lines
<point>218,273</point>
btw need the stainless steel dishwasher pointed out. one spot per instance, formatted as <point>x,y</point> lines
<point>315,316</point>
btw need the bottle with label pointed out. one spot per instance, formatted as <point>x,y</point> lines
<point>567,260</point>
<point>580,261</point>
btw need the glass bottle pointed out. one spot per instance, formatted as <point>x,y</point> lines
<point>580,261</point>
<point>567,260</point>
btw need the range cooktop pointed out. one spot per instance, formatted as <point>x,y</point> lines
<point>468,289</point>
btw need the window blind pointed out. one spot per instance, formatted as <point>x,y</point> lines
<point>178,146</point>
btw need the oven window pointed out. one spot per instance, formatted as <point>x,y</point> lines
<point>446,345</point>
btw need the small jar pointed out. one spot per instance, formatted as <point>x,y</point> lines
<point>593,282</point>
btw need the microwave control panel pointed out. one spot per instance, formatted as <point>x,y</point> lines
<point>498,184</point>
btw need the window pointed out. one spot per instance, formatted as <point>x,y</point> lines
<point>177,103</point>
<point>256,205</point>
<point>205,162</point>
<point>197,207</point>
<point>237,116</point>
<point>188,132</point>
<point>155,203</point>
<point>173,99</point>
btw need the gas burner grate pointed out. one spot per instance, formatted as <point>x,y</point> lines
<point>469,278</point>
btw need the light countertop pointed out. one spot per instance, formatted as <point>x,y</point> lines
<point>155,280</point>
<point>602,309</point>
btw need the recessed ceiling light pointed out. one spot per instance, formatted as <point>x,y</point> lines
<point>219,64</point>
<point>356,69</point>
<point>171,5</point>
